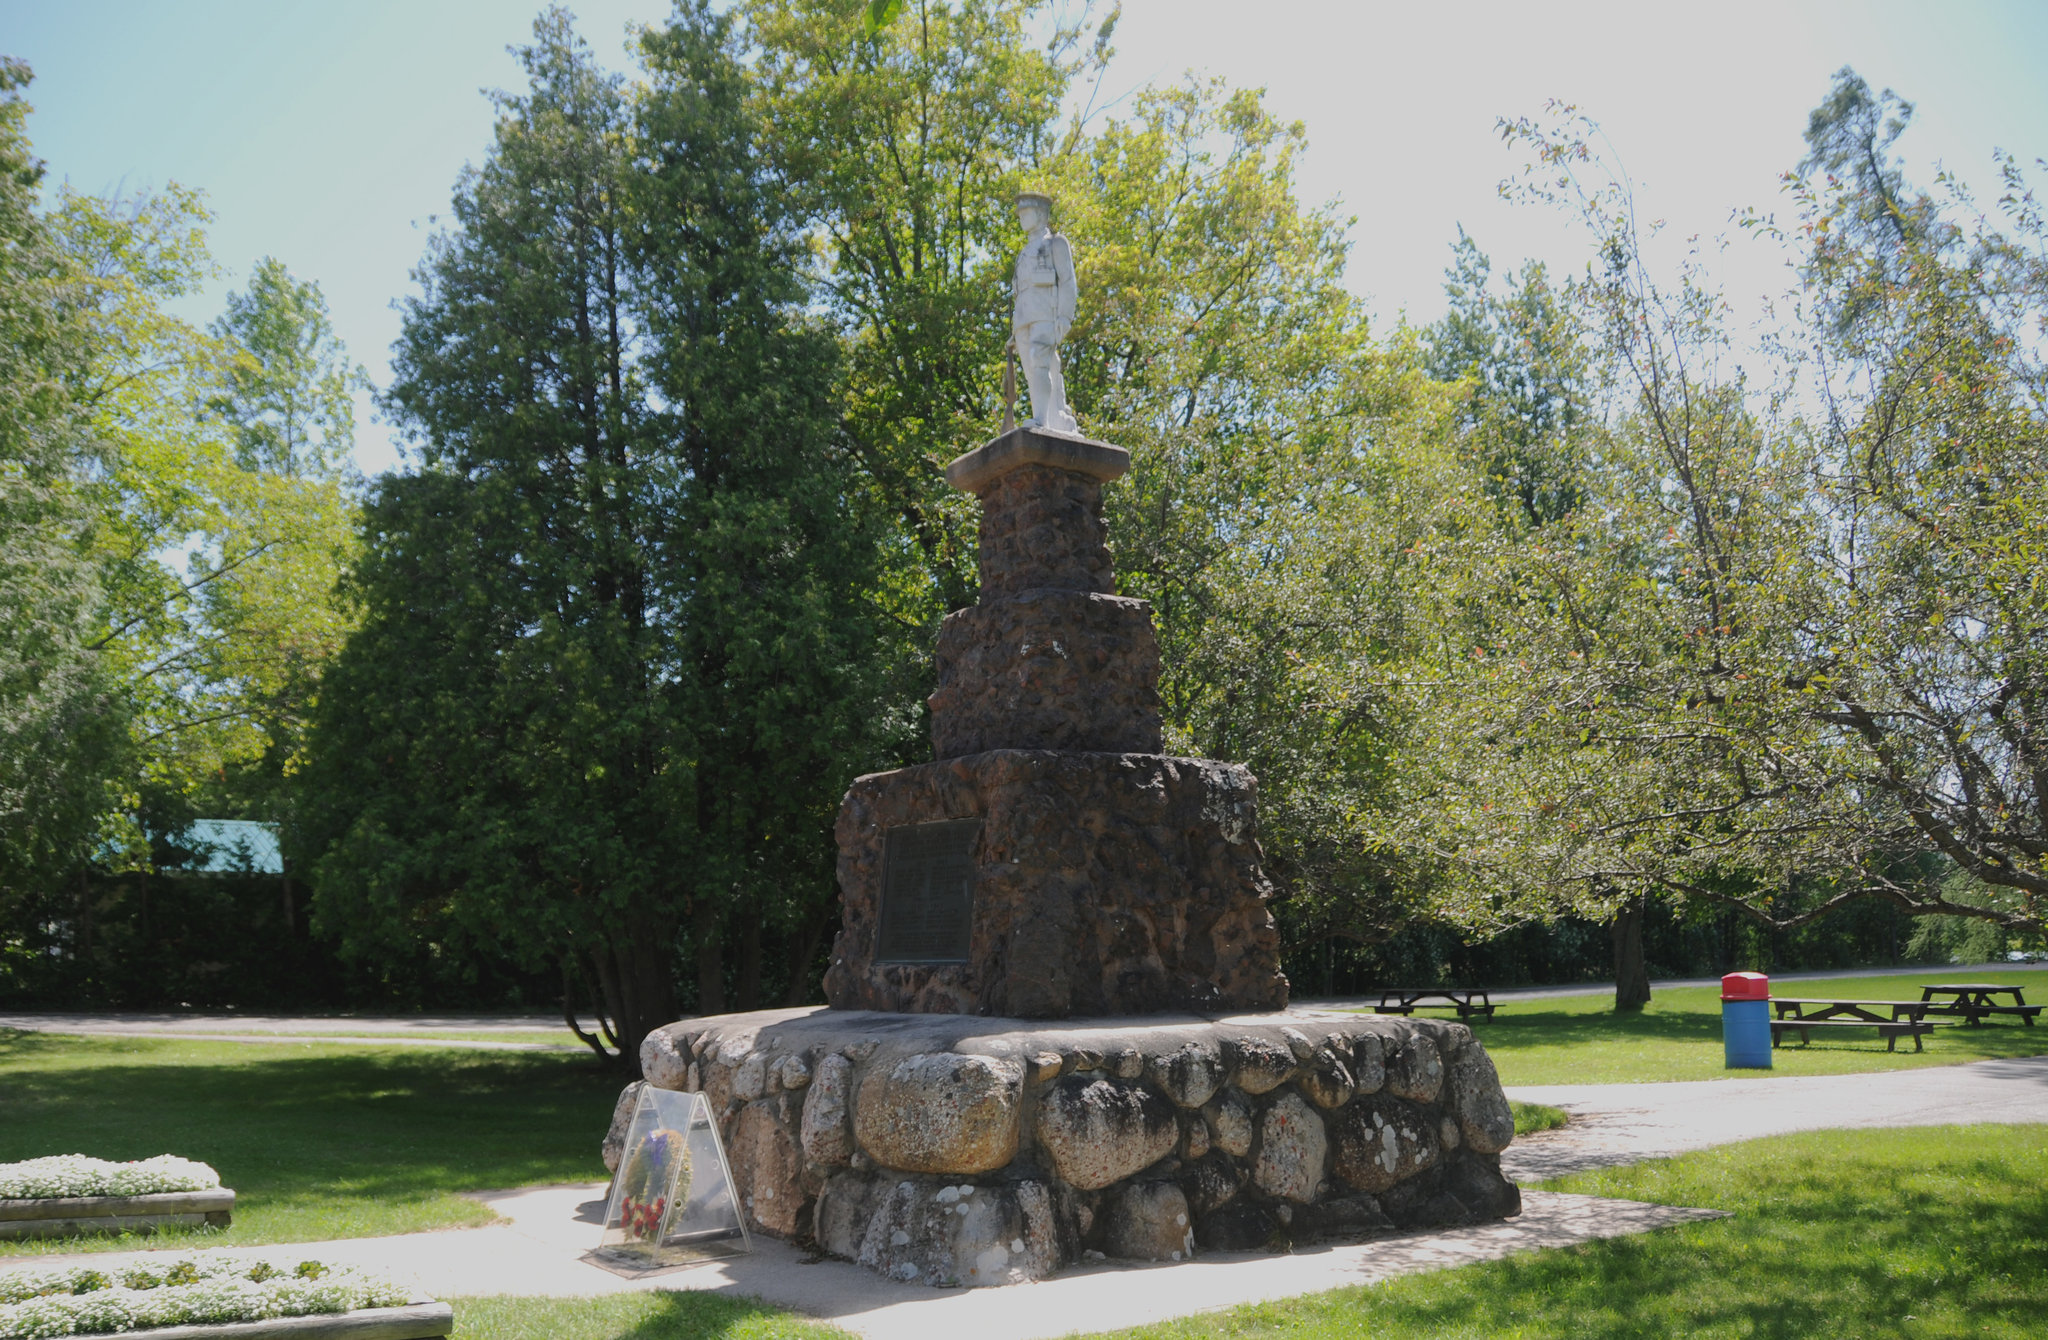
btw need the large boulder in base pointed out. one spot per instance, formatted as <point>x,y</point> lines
<point>1149,1221</point>
<point>1415,1070</point>
<point>1382,1141</point>
<point>1325,1079</point>
<point>1368,1063</point>
<point>767,1169</point>
<point>845,1206</point>
<point>1258,1065</point>
<point>614,1147</point>
<point>1230,1123</point>
<point>941,1113</point>
<point>952,1235</point>
<point>1212,1181</point>
<point>664,1059</point>
<point>1240,1226</point>
<point>1484,1117</point>
<point>1098,1131</point>
<point>827,1136</point>
<point>1189,1074</point>
<point>1292,1145</point>
<point>1476,1180</point>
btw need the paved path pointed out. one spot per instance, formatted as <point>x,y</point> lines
<point>539,1254</point>
<point>1614,1124</point>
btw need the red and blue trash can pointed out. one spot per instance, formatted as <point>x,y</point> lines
<point>1746,1020</point>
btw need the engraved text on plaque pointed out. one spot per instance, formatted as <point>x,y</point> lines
<point>927,892</point>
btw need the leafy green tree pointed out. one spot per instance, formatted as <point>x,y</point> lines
<point>215,649</point>
<point>285,382</point>
<point>612,674</point>
<point>1283,462</point>
<point>1525,357</point>
<point>139,682</point>
<point>286,531</point>
<point>1787,655</point>
<point>62,729</point>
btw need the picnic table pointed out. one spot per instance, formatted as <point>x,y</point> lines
<point>1403,1000</point>
<point>1973,1000</point>
<point>1902,1018</point>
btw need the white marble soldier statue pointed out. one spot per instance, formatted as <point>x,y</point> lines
<point>1044,288</point>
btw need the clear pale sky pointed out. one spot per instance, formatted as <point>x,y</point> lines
<point>328,135</point>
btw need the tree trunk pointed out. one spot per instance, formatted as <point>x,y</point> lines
<point>802,949</point>
<point>705,924</point>
<point>747,991</point>
<point>1631,974</point>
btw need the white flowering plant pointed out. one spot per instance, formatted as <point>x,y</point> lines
<point>77,1175</point>
<point>207,1288</point>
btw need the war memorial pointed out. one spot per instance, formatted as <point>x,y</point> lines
<point>1057,1027</point>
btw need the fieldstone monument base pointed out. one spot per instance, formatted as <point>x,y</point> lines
<point>954,1150</point>
<point>1103,884</point>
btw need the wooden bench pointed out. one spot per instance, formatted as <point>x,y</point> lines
<point>1975,1014</point>
<point>1973,1001</point>
<point>1888,1030</point>
<point>1403,1000</point>
<point>1902,1018</point>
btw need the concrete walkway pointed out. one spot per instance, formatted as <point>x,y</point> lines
<point>1613,1124</point>
<point>539,1254</point>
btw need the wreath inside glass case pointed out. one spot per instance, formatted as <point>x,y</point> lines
<point>644,1180</point>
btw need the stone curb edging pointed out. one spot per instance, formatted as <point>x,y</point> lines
<point>414,1321</point>
<point>61,1216</point>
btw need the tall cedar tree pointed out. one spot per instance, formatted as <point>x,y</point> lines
<point>607,687</point>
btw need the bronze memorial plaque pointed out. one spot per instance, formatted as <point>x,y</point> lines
<point>927,892</point>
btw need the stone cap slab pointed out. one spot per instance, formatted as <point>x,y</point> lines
<point>1026,445</point>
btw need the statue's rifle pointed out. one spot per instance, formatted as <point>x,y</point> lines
<point>1010,385</point>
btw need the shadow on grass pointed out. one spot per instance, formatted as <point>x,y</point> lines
<point>347,1131</point>
<point>1937,1231</point>
<point>1557,1028</point>
<point>638,1316</point>
<point>1836,1233</point>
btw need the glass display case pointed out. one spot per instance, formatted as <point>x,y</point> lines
<point>672,1202</point>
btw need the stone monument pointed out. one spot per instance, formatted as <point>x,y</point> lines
<point>1051,864</point>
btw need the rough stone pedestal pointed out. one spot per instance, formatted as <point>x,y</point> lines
<point>953,1150</point>
<point>1104,884</point>
<point>1108,878</point>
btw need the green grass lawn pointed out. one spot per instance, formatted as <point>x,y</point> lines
<point>1533,1117</point>
<point>319,1140</point>
<point>558,1037</point>
<point>633,1316</point>
<point>1581,1040</point>
<point>1931,1232</point>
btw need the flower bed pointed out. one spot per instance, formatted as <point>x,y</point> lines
<point>69,1194</point>
<point>207,1294</point>
<point>77,1175</point>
